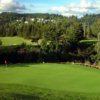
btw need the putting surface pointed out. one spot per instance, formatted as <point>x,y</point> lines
<point>62,77</point>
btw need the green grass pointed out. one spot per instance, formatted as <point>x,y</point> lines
<point>49,82</point>
<point>88,41</point>
<point>8,41</point>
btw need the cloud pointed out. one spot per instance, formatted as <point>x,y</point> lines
<point>11,6</point>
<point>84,7</point>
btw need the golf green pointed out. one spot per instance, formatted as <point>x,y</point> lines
<point>62,77</point>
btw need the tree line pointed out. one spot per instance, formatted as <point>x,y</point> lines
<point>60,37</point>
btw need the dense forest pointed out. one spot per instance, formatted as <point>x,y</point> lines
<point>59,38</point>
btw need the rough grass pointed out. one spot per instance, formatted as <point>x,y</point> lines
<point>49,82</point>
<point>8,41</point>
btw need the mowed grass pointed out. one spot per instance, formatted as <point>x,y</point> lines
<point>49,82</point>
<point>8,41</point>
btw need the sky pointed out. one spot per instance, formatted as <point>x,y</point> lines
<point>63,7</point>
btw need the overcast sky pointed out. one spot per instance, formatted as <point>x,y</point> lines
<point>63,7</point>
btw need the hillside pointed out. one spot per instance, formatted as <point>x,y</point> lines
<point>7,17</point>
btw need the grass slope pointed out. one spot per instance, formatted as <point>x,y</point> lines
<point>8,41</point>
<point>54,81</point>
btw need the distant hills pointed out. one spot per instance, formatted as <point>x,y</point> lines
<point>10,16</point>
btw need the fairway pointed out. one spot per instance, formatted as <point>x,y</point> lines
<point>9,41</point>
<point>57,77</point>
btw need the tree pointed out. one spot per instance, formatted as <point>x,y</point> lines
<point>98,48</point>
<point>74,32</point>
<point>0,42</point>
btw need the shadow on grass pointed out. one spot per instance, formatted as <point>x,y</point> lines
<point>8,96</point>
<point>20,65</point>
<point>22,92</point>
